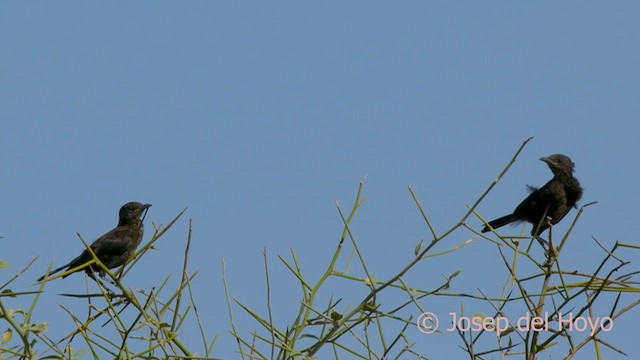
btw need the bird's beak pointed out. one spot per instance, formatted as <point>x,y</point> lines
<point>144,210</point>
<point>552,164</point>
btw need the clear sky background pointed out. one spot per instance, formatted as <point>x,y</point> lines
<point>257,116</point>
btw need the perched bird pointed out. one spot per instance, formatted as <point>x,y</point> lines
<point>115,247</point>
<point>553,200</point>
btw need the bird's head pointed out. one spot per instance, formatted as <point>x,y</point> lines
<point>132,211</point>
<point>559,164</point>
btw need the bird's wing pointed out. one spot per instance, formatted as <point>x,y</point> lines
<point>104,246</point>
<point>535,202</point>
<point>531,188</point>
<point>113,243</point>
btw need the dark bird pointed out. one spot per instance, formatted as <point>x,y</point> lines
<point>115,247</point>
<point>553,200</point>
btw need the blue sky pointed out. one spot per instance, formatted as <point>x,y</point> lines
<point>257,116</point>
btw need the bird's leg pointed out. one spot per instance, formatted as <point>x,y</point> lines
<point>552,252</point>
<point>547,225</point>
<point>101,285</point>
<point>112,294</point>
<point>120,299</point>
<point>541,240</point>
<point>110,281</point>
<point>106,289</point>
<point>103,275</point>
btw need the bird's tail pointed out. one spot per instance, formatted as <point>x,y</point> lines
<point>52,272</point>
<point>499,222</point>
